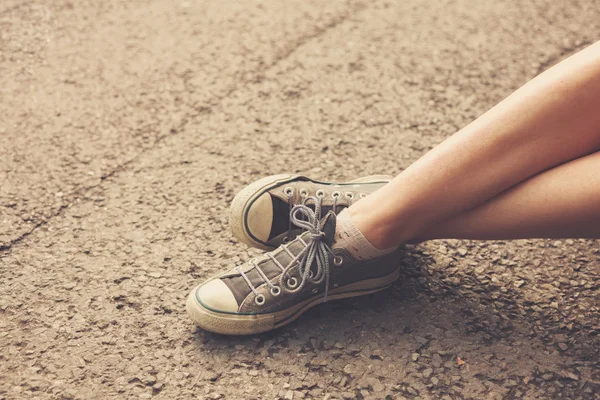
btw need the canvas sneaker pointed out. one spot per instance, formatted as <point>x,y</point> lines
<point>260,213</point>
<point>273,290</point>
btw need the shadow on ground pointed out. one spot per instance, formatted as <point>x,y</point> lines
<point>449,339</point>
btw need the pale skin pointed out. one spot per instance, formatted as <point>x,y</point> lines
<point>528,168</point>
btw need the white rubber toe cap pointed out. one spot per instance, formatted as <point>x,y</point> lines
<point>260,217</point>
<point>216,296</point>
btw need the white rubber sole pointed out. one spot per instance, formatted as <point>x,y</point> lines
<point>254,190</point>
<point>248,324</point>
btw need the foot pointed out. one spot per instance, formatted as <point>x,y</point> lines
<point>276,288</point>
<point>260,213</point>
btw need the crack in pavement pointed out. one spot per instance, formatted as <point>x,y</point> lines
<point>81,192</point>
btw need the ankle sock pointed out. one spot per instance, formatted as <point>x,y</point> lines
<point>349,237</point>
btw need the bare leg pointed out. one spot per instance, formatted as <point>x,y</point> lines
<point>559,203</point>
<point>553,119</point>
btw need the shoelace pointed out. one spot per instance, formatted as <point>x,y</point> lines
<point>318,205</point>
<point>316,252</point>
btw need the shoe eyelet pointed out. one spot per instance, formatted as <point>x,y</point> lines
<point>292,282</point>
<point>289,191</point>
<point>303,192</point>
<point>336,195</point>
<point>286,239</point>
<point>321,193</point>
<point>335,285</point>
<point>338,260</point>
<point>315,290</point>
<point>363,195</point>
<point>349,195</point>
<point>259,299</point>
<point>275,290</point>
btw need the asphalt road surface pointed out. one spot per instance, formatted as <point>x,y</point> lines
<point>126,128</point>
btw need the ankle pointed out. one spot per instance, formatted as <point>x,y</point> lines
<point>380,230</point>
<point>350,238</point>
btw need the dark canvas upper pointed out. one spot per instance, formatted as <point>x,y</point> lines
<point>349,271</point>
<point>301,188</point>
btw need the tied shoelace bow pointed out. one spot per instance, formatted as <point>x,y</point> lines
<point>315,253</point>
<point>318,200</point>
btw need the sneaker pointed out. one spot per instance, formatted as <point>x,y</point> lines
<point>273,290</point>
<point>260,213</point>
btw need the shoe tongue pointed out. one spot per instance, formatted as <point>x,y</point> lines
<point>281,216</point>
<point>328,227</point>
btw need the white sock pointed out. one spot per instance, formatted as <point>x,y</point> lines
<point>347,236</point>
